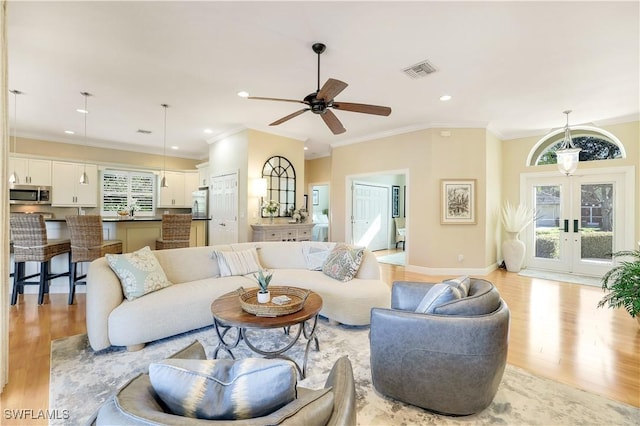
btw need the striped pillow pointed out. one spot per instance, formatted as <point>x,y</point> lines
<point>241,262</point>
<point>224,389</point>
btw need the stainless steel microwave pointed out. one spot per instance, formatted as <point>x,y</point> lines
<point>29,194</point>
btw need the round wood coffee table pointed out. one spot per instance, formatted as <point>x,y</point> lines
<point>229,315</point>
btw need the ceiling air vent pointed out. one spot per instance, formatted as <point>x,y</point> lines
<point>420,70</point>
<point>144,132</point>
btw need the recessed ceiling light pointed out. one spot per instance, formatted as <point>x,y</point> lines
<point>82,111</point>
<point>70,132</point>
<point>243,94</point>
<point>445,97</point>
<point>306,148</point>
<point>174,147</point>
<point>208,131</point>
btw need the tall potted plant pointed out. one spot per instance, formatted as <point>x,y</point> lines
<point>515,219</point>
<point>623,284</point>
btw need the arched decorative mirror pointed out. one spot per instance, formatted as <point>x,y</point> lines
<point>281,185</point>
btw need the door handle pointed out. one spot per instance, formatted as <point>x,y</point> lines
<point>575,225</point>
<point>566,225</point>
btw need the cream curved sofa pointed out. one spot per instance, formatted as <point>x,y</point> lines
<point>112,320</point>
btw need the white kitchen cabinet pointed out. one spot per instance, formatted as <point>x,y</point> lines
<point>31,171</point>
<point>65,185</point>
<point>203,174</point>
<point>179,189</point>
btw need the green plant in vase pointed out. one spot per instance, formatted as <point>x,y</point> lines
<point>263,282</point>
<point>623,284</point>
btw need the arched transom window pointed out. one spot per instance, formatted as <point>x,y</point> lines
<point>595,144</point>
<point>281,184</point>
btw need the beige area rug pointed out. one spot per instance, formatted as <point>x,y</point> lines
<point>81,380</point>
<point>558,276</point>
<point>398,258</point>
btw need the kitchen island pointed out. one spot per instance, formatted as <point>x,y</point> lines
<point>134,232</point>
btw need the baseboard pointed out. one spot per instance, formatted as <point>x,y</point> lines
<point>451,271</point>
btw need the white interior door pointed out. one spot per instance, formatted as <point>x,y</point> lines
<point>224,209</point>
<point>370,222</point>
<point>581,221</point>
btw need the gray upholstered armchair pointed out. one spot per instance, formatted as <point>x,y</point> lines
<point>450,361</point>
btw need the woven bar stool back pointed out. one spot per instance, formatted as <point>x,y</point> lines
<point>176,231</point>
<point>87,244</point>
<point>30,244</point>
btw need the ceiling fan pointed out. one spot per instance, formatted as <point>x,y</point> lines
<point>322,99</point>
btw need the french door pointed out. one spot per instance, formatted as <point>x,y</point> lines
<point>580,220</point>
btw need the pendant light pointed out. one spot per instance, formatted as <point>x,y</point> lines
<point>163,181</point>
<point>84,178</point>
<point>14,178</point>
<point>567,155</point>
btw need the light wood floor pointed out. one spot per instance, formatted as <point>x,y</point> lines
<point>556,332</point>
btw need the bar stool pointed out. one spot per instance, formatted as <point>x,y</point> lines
<point>176,231</point>
<point>30,244</point>
<point>87,244</point>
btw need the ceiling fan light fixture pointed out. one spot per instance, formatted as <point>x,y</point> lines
<point>568,155</point>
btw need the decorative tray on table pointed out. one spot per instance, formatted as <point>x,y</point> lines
<point>249,301</point>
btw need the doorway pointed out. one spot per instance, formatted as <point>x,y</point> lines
<point>224,209</point>
<point>319,210</point>
<point>580,220</point>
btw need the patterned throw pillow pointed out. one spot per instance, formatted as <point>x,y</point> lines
<point>224,389</point>
<point>461,283</point>
<point>343,262</point>
<point>240,262</point>
<point>438,295</point>
<point>139,272</point>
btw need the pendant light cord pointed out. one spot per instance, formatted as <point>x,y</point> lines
<point>164,151</point>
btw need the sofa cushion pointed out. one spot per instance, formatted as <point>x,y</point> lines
<point>316,254</point>
<point>461,283</point>
<point>224,389</point>
<point>139,272</point>
<point>241,262</point>
<point>343,262</point>
<point>437,295</point>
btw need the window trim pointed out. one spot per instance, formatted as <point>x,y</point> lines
<point>552,138</point>
<point>129,173</point>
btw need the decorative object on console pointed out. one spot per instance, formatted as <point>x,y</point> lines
<point>263,282</point>
<point>568,155</point>
<point>515,219</point>
<point>458,197</point>
<point>623,284</point>
<point>271,207</point>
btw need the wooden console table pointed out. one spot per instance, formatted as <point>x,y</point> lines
<point>282,232</point>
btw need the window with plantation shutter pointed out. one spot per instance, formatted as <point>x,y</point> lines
<point>122,190</point>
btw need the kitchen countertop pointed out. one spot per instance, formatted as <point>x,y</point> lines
<point>126,219</point>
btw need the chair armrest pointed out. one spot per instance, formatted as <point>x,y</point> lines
<point>406,295</point>
<point>342,383</point>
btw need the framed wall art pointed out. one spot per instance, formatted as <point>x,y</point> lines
<point>395,201</point>
<point>458,201</point>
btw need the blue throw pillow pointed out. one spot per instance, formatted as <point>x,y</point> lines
<point>438,295</point>
<point>224,389</point>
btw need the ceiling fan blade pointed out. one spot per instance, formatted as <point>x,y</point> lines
<point>276,99</point>
<point>289,117</point>
<point>364,108</point>
<point>332,122</point>
<point>331,89</point>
